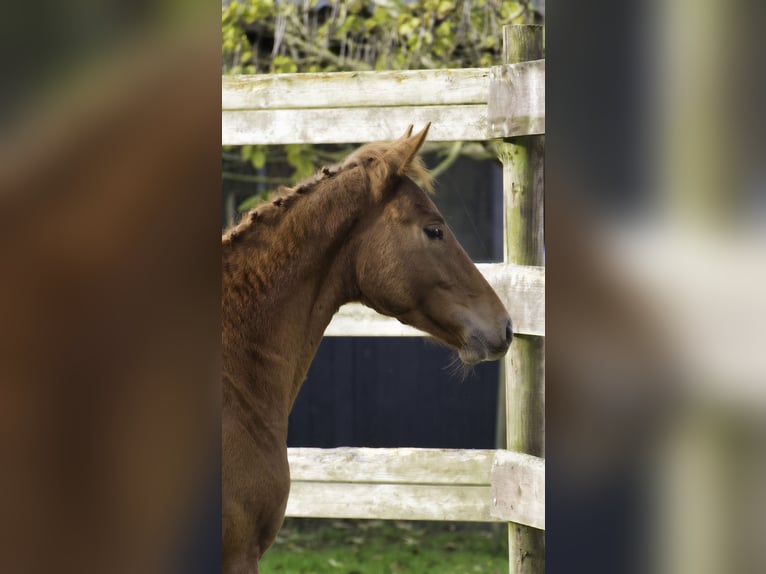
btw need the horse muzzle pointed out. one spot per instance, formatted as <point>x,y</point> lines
<point>482,346</point>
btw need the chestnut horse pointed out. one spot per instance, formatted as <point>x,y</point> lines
<point>361,231</point>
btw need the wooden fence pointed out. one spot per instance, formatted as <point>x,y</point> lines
<point>505,102</point>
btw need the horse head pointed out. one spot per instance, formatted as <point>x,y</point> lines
<point>409,264</point>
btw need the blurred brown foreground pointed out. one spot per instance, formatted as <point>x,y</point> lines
<point>109,303</point>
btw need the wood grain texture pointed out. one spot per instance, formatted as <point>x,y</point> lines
<point>356,89</point>
<point>357,107</point>
<point>516,100</point>
<point>352,125</point>
<point>392,465</point>
<point>518,488</point>
<point>417,484</point>
<point>523,43</point>
<point>389,501</point>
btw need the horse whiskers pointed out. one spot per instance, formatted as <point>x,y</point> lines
<point>457,368</point>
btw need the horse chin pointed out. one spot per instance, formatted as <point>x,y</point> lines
<point>470,355</point>
<point>478,350</point>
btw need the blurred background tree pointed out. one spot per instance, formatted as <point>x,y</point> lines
<point>271,37</point>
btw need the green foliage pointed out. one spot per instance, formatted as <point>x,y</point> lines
<point>301,157</point>
<point>256,155</point>
<point>268,37</point>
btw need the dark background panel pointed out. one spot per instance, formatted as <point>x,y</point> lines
<point>393,392</point>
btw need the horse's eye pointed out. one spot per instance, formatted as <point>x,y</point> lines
<point>434,232</point>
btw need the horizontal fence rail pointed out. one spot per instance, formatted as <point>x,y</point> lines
<point>520,288</point>
<point>352,125</point>
<point>417,484</point>
<point>356,89</point>
<point>356,107</point>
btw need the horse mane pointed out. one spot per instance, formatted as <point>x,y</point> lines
<point>380,162</point>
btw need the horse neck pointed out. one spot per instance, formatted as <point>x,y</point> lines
<point>283,287</point>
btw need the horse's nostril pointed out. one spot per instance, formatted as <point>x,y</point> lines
<point>508,332</point>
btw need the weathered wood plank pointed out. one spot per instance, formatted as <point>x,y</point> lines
<point>332,108</point>
<point>351,125</point>
<point>521,288</point>
<point>392,465</point>
<point>516,99</point>
<point>390,501</point>
<point>417,484</point>
<point>356,89</point>
<point>518,488</point>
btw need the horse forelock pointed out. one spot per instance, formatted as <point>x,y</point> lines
<point>380,162</point>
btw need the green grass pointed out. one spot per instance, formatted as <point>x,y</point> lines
<point>308,546</point>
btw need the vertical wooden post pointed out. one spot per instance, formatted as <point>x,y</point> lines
<point>524,367</point>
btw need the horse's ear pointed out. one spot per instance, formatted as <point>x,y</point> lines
<point>413,144</point>
<point>394,160</point>
<point>420,137</point>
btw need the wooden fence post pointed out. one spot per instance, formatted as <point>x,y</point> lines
<point>524,366</point>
